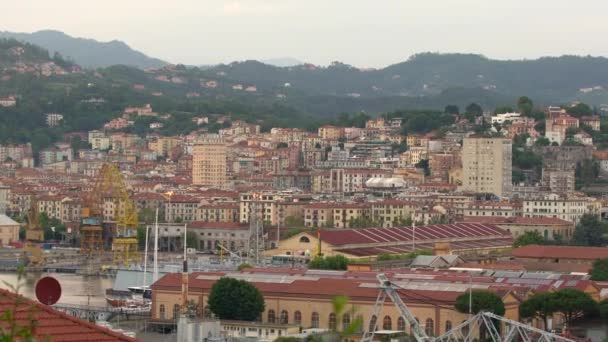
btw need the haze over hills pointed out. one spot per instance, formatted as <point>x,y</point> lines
<point>88,53</point>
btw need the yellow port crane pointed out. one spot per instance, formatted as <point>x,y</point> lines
<point>34,235</point>
<point>110,190</point>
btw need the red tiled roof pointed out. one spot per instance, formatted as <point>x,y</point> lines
<point>344,237</point>
<point>565,252</point>
<point>52,324</point>
<point>517,220</point>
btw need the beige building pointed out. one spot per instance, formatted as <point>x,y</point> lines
<point>569,209</point>
<point>209,163</point>
<point>162,145</point>
<point>486,164</point>
<point>9,230</point>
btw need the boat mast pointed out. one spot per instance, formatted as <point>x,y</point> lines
<point>155,274</point>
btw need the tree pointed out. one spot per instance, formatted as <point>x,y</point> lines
<point>599,270</point>
<point>191,239</point>
<point>580,109</point>
<point>473,111</point>
<point>603,309</point>
<point>529,238</point>
<point>282,145</point>
<point>338,262</point>
<point>451,109</point>
<point>233,299</point>
<point>146,215</point>
<point>243,266</point>
<point>503,109</point>
<point>573,303</point>
<point>525,105</point>
<point>482,300</point>
<point>540,305</point>
<point>542,141</point>
<point>339,305</point>
<point>294,221</point>
<point>589,231</point>
<point>424,164</point>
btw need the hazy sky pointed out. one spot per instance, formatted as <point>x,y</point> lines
<point>360,32</point>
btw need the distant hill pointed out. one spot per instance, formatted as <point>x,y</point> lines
<point>548,79</point>
<point>282,61</point>
<point>88,53</point>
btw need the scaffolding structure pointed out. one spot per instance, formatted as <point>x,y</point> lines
<point>109,188</point>
<point>256,244</point>
<point>33,236</point>
<point>467,331</point>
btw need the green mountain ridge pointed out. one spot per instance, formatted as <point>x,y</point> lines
<point>88,53</point>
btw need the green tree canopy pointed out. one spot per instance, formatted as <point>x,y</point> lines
<point>482,300</point>
<point>599,270</point>
<point>525,105</point>
<point>541,305</point>
<point>580,109</point>
<point>589,231</point>
<point>542,141</point>
<point>532,237</point>
<point>234,299</point>
<point>503,109</point>
<point>573,303</point>
<point>451,109</point>
<point>338,262</point>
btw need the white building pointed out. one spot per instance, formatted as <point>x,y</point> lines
<point>569,209</point>
<point>53,119</point>
<point>505,117</point>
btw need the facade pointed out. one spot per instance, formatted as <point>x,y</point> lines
<point>209,163</point>
<point>233,236</point>
<point>559,181</point>
<point>53,119</point>
<point>303,299</point>
<point>218,212</point>
<point>559,258</point>
<point>487,165</point>
<point>548,227</point>
<point>9,230</point>
<point>569,209</point>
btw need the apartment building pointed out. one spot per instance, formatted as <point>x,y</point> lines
<point>218,212</point>
<point>209,162</point>
<point>501,209</point>
<point>487,165</point>
<point>569,209</point>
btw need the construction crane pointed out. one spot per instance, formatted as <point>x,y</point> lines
<point>465,332</point>
<point>110,187</point>
<point>34,235</point>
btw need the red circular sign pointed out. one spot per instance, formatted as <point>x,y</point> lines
<point>48,290</point>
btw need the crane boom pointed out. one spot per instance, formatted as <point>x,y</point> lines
<point>388,290</point>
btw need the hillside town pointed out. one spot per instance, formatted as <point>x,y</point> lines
<point>438,213</point>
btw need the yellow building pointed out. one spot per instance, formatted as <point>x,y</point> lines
<point>486,165</point>
<point>328,132</point>
<point>9,230</point>
<point>209,163</point>
<point>162,145</point>
<point>304,298</point>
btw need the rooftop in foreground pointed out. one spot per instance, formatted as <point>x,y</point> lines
<point>53,325</point>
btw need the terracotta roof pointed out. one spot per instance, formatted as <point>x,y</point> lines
<point>342,237</point>
<point>517,220</point>
<point>52,324</point>
<point>566,252</point>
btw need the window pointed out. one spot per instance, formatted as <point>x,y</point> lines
<point>284,319</point>
<point>297,318</point>
<point>429,327</point>
<point>400,324</point>
<point>304,239</point>
<point>175,311</point>
<point>448,326</point>
<point>271,316</point>
<point>332,321</point>
<point>345,321</point>
<point>372,323</point>
<point>314,320</point>
<point>387,323</point>
<point>162,311</point>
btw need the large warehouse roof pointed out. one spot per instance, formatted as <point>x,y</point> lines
<point>372,241</point>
